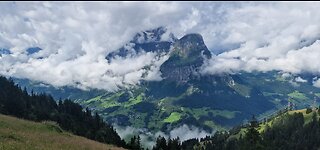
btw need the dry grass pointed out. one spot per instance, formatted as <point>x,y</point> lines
<point>18,134</point>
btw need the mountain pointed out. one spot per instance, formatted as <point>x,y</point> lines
<point>66,92</point>
<point>4,51</point>
<point>211,102</point>
<point>185,59</point>
<point>184,96</point>
<point>33,50</point>
<point>22,134</point>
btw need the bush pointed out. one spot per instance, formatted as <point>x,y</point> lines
<point>309,110</point>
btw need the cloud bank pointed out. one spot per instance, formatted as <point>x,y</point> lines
<point>148,139</point>
<point>270,36</point>
<point>75,37</point>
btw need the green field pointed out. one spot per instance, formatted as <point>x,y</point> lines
<point>298,95</point>
<point>112,101</point>
<point>133,101</point>
<point>174,117</point>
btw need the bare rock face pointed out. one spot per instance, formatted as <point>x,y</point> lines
<point>187,56</point>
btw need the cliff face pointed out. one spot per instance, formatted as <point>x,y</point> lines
<point>187,56</point>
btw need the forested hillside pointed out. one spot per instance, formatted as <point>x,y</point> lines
<point>289,130</point>
<point>41,107</point>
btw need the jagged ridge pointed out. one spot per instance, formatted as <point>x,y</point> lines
<point>187,56</point>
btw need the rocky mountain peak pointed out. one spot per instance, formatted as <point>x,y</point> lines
<point>191,45</point>
<point>187,56</point>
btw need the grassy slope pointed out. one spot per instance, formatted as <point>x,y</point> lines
<point>174,116</point>
<point>22,134</point>
<point>307,118</point>
<point>298,95</point>
<point>261,128</point>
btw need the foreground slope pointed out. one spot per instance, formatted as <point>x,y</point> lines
<point>70,116</point>
<point>22,134</point>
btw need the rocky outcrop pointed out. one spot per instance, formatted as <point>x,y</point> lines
<point>185,59</point>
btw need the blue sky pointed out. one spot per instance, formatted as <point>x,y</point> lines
<point>75,37</point>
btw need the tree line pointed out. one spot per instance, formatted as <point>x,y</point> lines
<point>70,116</point>
<point>286,132</point>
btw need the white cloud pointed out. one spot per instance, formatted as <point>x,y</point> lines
<point>76,36</point>
<point>286,75</point>
<point>186,132</point>
<point>148,138</point>
<point>293,83</point>
<point>299,79</point>
<point>270,36</point>
<point>316,83</point>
